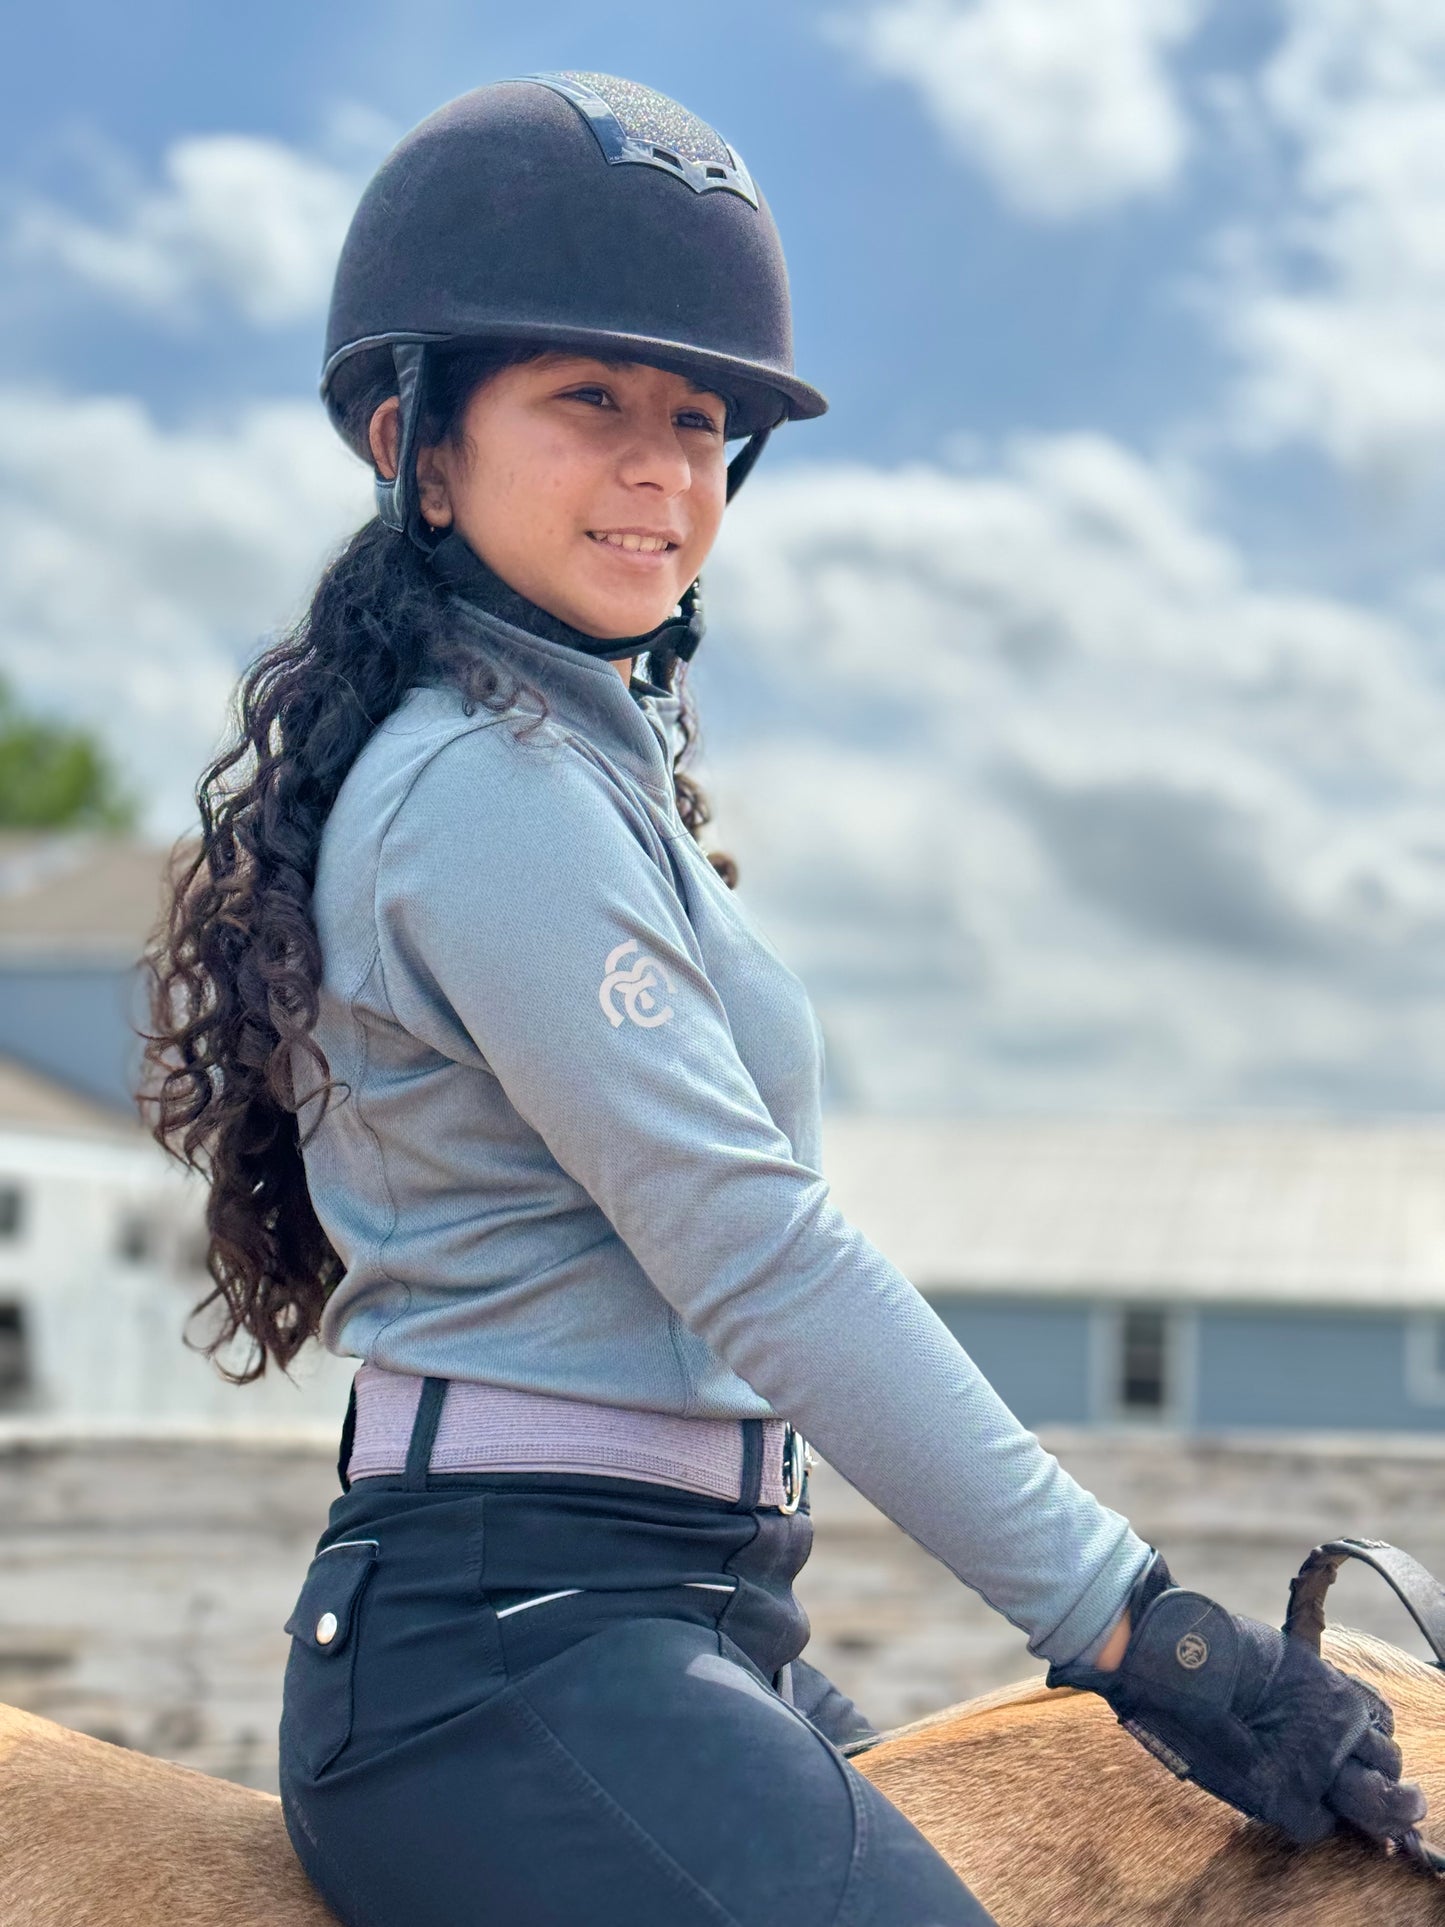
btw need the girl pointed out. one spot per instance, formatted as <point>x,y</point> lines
<point>499,1091</point>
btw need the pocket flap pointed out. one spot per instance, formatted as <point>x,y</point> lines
<point>324,1611</point>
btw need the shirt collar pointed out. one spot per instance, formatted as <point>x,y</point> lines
<point>636,726</point>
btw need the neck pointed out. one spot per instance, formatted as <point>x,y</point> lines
<point>459,565</point>
<point>464,570</point>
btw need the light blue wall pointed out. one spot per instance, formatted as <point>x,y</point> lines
<point>74,1022</point>
<point>1035,1352</point>
<point>1307,1369</point>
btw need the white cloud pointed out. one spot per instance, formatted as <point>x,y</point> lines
<point>1335,299</point>
<point>251,221</point>
<point>1069,108</point>
<point>1052,803</point>
<point>142,565</point>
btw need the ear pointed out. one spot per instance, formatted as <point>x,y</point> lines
<point>433,494</point>
<point>384,436</point>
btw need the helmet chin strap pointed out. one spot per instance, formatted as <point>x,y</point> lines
<point>396,500</point>
<point>398,507</point>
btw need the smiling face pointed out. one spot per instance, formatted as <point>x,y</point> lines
<point>593,488</point>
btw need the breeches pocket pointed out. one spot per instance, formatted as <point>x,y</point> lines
<point>319,1690</point>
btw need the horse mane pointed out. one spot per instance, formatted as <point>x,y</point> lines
<point>1358,1652</point>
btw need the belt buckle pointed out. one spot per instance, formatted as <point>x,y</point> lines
<point>797,1456</point>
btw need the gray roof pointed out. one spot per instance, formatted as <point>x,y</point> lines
<point>30,1102</point>
<point>1348,1214</point>
<point>77,896</point>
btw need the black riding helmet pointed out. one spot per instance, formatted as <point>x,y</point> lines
<point>572,210</point>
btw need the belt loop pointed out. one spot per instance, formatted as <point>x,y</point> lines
<point>423,1433</point>
<point>750,1480</point>
<point>348,1439</point>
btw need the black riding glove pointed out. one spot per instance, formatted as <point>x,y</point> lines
<point>1259,1720</point>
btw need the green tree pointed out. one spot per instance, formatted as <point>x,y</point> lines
<point>54,778</point>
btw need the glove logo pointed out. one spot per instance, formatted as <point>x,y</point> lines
<point>1192,1651</point>
<point>636,985</point>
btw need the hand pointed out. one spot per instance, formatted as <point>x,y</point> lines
<point>1258,1720</point>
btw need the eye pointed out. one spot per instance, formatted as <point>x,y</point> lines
<point>698,418</point>
<point>590,392</point>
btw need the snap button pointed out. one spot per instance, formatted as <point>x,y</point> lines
<point>326,1629</point>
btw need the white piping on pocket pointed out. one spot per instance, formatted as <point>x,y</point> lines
<point>569,1592</point>
<point>522,1605</point>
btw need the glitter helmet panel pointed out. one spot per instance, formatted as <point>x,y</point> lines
<point>634,124</point>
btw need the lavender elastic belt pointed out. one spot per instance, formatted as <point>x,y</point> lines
<point>492,1428</point>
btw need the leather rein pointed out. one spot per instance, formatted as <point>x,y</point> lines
<point>1418,1590</point>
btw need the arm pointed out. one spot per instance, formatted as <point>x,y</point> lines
<point>513,878</point>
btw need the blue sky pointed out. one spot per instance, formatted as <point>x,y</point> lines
<point>1073,695</point>
<point>925,307</point>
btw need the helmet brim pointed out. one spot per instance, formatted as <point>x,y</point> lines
<point>758,397</point>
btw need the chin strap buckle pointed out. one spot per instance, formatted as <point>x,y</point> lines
<point>797,1457</point>
<point>690,624</point>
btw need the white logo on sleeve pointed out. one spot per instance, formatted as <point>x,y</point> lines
<point>636,985</point>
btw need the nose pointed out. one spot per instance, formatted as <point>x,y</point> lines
<point>654,456</point>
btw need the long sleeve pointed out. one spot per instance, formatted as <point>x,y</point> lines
<point>522,903</point>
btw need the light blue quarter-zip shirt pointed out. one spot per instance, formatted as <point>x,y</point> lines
<point>576,1144</point>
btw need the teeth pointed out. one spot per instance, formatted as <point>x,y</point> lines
<point>647,544</point>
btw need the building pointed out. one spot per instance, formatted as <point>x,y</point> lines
<point>101,1256</point>
<point>75,912</point>
<point>1208,1277</point>
<point>101,1235</point>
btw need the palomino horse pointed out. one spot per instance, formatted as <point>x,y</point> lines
<point>1053,1815</point>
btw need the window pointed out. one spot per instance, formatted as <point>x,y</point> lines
<point>1143,1364</point>
<point>14,1357</point>
<point>1143,1361</point>
<point>135,1239</point>
<point>12,1210</point>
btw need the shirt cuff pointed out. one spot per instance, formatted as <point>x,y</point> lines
<point>1084,1630</point>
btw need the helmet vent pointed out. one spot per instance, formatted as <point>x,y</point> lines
<point>634,124</point>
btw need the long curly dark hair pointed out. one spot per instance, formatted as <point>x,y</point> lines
<point>234,967</point>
